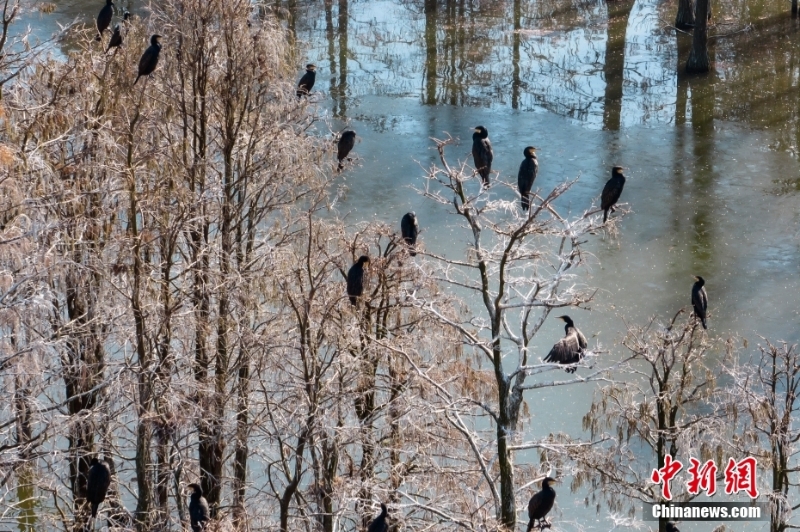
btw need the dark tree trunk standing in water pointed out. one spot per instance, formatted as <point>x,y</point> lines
<point>684,20</point>
<point>341,89</point>
<point>431,7</point>
<point>698,62</point>
<point>614,65</point>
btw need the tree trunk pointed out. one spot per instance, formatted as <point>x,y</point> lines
<point>431,51</point>
<point>684,20</point>
<point>698,58</point>
<point>614,64</point>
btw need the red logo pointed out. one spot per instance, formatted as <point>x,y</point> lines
<point>665,474</point>
<point>739,476</point>
<point>704,478</point>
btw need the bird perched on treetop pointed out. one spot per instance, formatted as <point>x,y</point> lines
<point>116,38</point>
<point>568,350</point>
<point>98,481</point>
<point>410,229</point>
<point>379,524</point>
<point>541,503</point>
<point>527,174</point>
<point>198,509</point>
<point>482,153</point>
<point>104,19</point>
<point>612,191</point>
<point>346,143</point>
<point>355,279</point>
<point>700,299</point>
<point>149,60</point>
<point>307,81</point>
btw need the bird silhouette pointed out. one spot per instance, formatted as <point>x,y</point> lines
<point>198,509</point>
<point>612,191</point>
<point>104,19</point>
<point>116,38</point>
<point>98,481</point>
<point>149,60</point>
<point>379,523</point>
<point>482,153</point>
<point>526,175</point>
<point>409,226</point>
<point>346,143</point>
<point>568,350</point>
<point>541,504</point>
<point>307,81</point>
<point>700,299</point>
<point>355,279</point>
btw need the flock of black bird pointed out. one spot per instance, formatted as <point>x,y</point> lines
<point>149,59</point>
<point>567,351</point>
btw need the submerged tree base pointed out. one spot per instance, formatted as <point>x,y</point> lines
<point>697,64</point>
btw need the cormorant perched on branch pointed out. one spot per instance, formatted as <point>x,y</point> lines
<point>700,299</point>
<point>149,60</point>
<point>410,229</point>
<point>116,38</point>
<point>527,173</point>
<point>346,143</point>
<point>541,503</point>
<point>98,481</point>
<point>568,350</point>
<point>482,153</point>
<point>355,279</point>
<point>612,191</point>
<point>104,19</point>
<point>307,81</point>
<point>198,509</point>
<point>379,524</point>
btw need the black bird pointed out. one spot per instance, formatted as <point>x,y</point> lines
<point>149,60</point>
<point>568,350</point>
<point>307,81</point>
<point>671,527</point>
<point>99,480</point>
<point>198,509</point>
<point>482,153</point>
<point>116,38</point>
<point>346,143</point>
<point>527,174</point>
<point>410,229</point>
<point>612,191</point>
<point>104,18</point>
<point>355,279</point>
<point>541,503</point>
<point>700,299</point>
<point>379,523</point>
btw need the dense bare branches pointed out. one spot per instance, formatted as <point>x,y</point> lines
<point>520,266</point>
<point>664,404</point>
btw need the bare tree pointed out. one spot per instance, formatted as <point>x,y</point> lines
<point>664,404</point>
<point>519,267</point>
<point>764,400</point>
